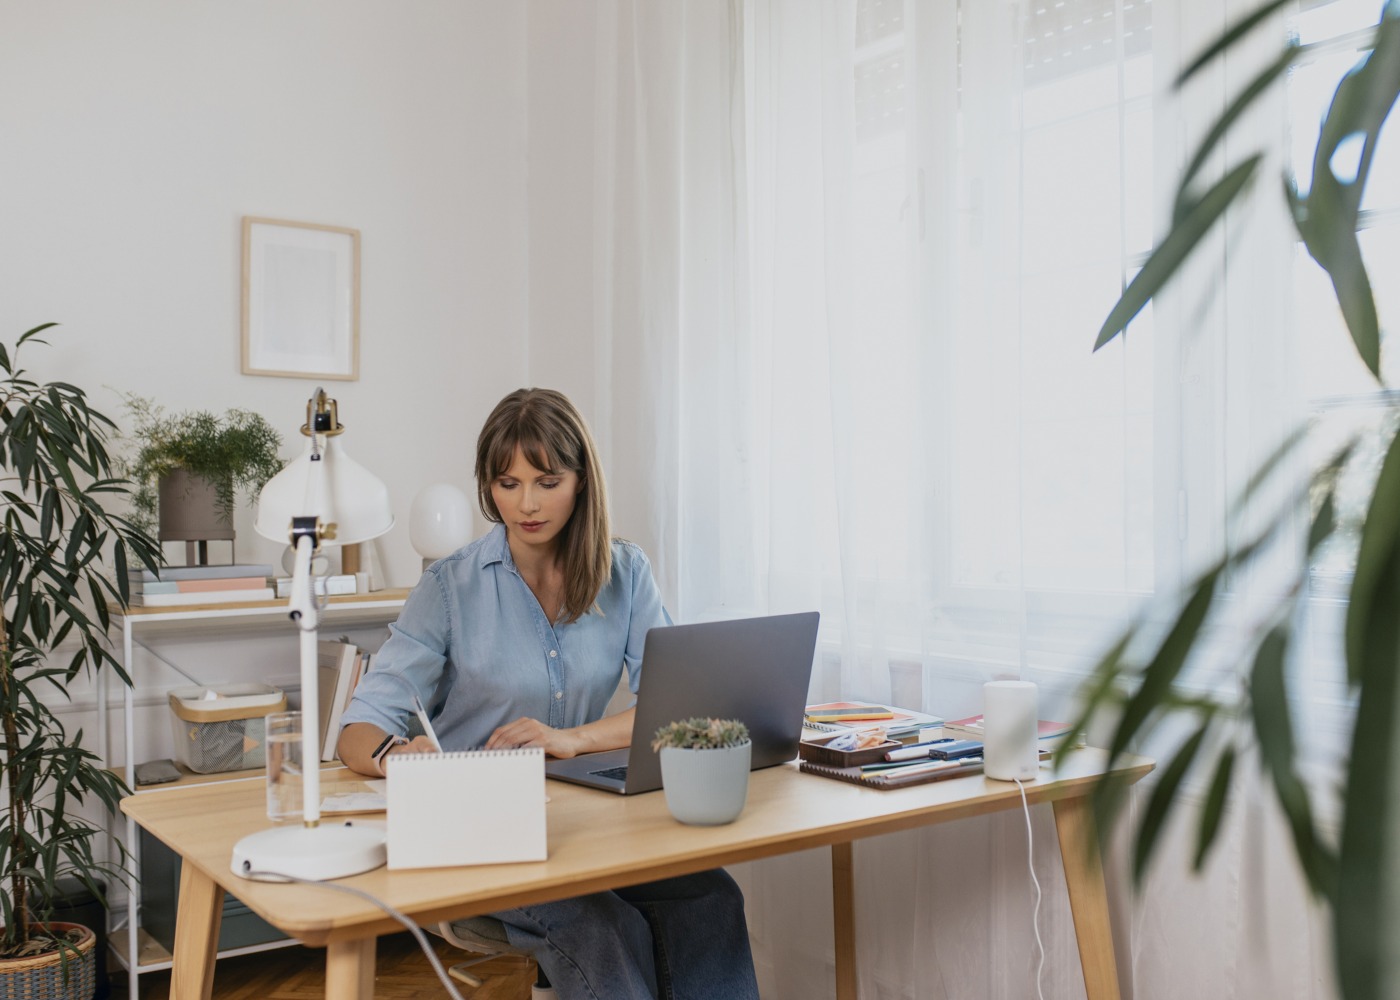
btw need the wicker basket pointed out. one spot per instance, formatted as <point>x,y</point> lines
<point>42,976</point>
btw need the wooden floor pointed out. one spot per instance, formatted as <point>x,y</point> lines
<point>402,973</point>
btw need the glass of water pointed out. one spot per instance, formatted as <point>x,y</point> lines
<point>284,765</point>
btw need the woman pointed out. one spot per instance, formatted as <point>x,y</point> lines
<point>517,640</point>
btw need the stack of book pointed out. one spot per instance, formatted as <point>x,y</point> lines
<point>342,664</point>
<point>1051,733</point>
<point>845,716</point>
<point>183,585</point>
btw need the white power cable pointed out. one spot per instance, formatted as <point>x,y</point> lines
<point>1035,918</point>
<point>401,918</point>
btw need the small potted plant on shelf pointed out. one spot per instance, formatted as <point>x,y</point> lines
<point>189,468</point>
<point>704,769</point>
<point>56,541</point>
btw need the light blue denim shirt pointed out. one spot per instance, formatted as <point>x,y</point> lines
<point>475,646</point>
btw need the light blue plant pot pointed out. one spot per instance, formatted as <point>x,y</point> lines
<point>706,787</point>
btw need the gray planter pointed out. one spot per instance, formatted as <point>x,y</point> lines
<point>706,787</point>
<point>189,509</point>
<point>189,513</point>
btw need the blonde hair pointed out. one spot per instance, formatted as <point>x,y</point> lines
<point>553,437</point>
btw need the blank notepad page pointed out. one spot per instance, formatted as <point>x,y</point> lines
<point>472,807</point>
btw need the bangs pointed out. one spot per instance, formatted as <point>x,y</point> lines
<point>540,452</point>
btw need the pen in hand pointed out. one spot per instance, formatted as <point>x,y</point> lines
<point>427,726</point>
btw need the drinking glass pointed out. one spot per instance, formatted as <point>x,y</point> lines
<point>284,766</point>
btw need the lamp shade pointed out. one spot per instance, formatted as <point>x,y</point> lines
<point>439,521</point>
<point>331,486</point>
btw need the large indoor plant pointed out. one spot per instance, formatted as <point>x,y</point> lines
<point>1138,682</point>
<point>63,559</point>
<point>184,458</point>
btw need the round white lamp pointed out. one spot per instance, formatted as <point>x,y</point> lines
<point>439,521</point>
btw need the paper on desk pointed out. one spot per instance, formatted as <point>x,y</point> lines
<point>368,796</point>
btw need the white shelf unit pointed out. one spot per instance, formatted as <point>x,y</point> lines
<point>133,949</point>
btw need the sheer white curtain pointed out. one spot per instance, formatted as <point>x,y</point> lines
<point>850,258</point>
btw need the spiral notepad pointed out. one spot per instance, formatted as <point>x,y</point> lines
<point>472,807</point>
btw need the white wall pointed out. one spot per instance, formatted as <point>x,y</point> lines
<point>135,136</point>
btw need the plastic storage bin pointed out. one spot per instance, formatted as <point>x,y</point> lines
<point>221,728</point>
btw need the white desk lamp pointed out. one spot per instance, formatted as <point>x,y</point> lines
<point>323,496</point>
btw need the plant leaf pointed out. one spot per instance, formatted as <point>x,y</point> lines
<point>1237,107</point>
<point>1233,35</point>
<point>1173,251</point>
<point>1327,217</point>
<point>1364,926</point>
<point>1273,727</point>
<point>1158,806</point>
<point>1377,548</point>
<point>1214,808</point>
<point>1159,675</point>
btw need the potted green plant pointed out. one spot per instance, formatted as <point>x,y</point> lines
<point>704,769</point>
<point>56,542</point>
<point>189,468</point>
<point>1136,684</point>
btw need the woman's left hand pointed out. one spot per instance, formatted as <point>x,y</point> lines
<point>527,732</point>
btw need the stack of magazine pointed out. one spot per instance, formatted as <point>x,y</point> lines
<point>178,586</point>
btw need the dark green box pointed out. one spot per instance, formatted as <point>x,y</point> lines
<point>160,891</point>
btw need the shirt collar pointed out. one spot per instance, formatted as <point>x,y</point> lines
<point>495,548</point>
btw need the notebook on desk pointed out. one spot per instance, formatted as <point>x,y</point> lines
<point>753,669</point>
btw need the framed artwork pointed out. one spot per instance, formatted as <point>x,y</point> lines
<point>301,300</point>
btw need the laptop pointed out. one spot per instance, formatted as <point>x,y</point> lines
<point>753,669</point>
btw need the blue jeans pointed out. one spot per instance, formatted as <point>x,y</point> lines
<point>677,939</point>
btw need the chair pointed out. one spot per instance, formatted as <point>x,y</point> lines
<point>486,936</point>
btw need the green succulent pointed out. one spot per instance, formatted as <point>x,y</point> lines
<point>235,451</point>
<point>701,734</point>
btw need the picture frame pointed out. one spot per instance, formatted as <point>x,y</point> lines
<point>301,300</point>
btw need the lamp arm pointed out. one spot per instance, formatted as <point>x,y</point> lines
<point>302,609</point>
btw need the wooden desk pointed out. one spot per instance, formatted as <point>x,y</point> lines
<point>601,841</point>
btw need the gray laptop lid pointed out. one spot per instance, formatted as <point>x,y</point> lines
<point>753,669</point>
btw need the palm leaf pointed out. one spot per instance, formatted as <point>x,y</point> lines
<point>1172,252</point>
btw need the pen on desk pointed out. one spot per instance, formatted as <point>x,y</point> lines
<point>915,750</point>
<point>924,768</point>
<point>427,726</point>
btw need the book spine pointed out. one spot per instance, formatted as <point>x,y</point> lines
<point>260,570</point>
<point>213,597</point>
<point>229,583</point>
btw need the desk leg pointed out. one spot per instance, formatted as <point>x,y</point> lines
<point>1088,897</point>
<point>843,898</point>
<point>350,969</point>
<point>201,911</point>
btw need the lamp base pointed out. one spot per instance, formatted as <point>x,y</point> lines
<point>317,853</point>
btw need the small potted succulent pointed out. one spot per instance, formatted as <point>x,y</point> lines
<point>704,769</point>
<point>189,467</point>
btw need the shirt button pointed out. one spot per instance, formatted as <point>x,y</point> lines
<point>553,653</point>
<point>558,695</point>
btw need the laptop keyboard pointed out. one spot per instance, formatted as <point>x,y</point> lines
<point>613,773</point>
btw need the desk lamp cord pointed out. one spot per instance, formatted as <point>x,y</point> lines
<point>401,918</point>
<point>1035,918</point>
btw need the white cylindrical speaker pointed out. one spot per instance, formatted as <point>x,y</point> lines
<point>1009,726</point>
